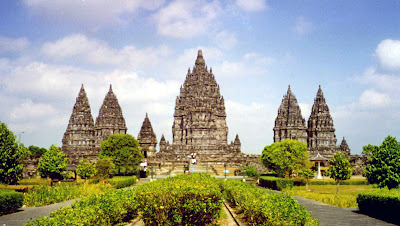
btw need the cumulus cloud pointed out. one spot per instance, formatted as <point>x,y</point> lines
<point>374,99</point>
<point>13,45</point>
<point>303,26</point>
<point>30,110</point>
<point>91,13</point>
<point>252,5</point>
<point>98,52</point>
<point>187,19</point>
<point>388,54</point>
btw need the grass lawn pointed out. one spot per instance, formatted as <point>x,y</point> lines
<point>327,193</point>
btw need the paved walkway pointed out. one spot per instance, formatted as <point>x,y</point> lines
<point>332,215</point>
<point>27,213</point>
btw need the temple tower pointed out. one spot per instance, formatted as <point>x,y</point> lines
<point>78,140</point>
<point>290,124</point>
<point>163,144</point>
<point>147,138</point>
<point>199,118</point>
<point>344,148</point>
<point>110,119</point>
<point>321,133</point>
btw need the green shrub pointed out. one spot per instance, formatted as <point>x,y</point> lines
<point>381,203</point>
<point>46,195</point>
<point>262,207</point>
<point>276,183</point>
<point>182,200</point>
<point>110,208</point>
<point>10,201</point>
<point>122,182</point>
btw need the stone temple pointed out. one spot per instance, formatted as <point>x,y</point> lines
<point>290,124</point>
<point>147,138</point>
<point>83,137</point>
<point>200,122</point>
<point>319,133</point>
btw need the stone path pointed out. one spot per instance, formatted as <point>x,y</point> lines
<point>332,215</point>
<point>27,213</point>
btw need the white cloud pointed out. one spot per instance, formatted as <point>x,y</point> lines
<point>29,110</point>
<point>91,13</point>
<point>252,5</point>
<point>374,99</point>
<point>186,19</point>
<point>225,40</point>
<point>13,45</point>
<point>251,64</point>
<point>97,52</point>
<point>305,110</point>
<point>388,54</point>
<point>303,26</point>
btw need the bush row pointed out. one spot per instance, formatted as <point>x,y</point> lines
<point>42,195</point>
<point>122,182</point>
<point>262,207</point>
<point>381,203</point>
<point>182,200</point>
<point>276,183</point>
<point>111,208</point>
<point>10,201</point>
<point>343,182</point>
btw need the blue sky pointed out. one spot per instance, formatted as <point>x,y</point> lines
<point>256,49</point>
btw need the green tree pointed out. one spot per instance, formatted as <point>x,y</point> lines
<point>383,164</point>
<point>86,169</point>
<point>307,174</point>
<point>104,167</point>
<point>52,164</point>
<point>36,151</point>
<point>124,151</point>
<point>285,156</point>
<point>339,168</point>
<point>11,156</point>
<point>251,171</point>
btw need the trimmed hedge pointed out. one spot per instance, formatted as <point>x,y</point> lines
<point>110,208</point>
<point>276,183</point>
<point>10,201</point>
<point>262,207</point>
<point>381,203</point>
<point>182,200</point>
<point>45,195</point>
<point>122,182</point>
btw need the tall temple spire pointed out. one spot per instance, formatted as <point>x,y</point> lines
<point>321,133</point>
<point>110,119</point>
<point>200,118</point>
<point>289,123</point>
<point>78,139</point>
<point>147,138</point>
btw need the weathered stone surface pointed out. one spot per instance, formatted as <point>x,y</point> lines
<point>321,133</point>
<point>344,148</point>
<point>147,138</point>
<point>110,119</point>
<point>290,124</point>
<point>78,140</point>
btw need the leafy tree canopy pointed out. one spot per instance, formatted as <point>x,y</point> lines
<point>124,151</point>
<point>104,167</point>
<point>86,169</point>
<point>285,156</point>
<point>36,151</point>
<point>52,163</point>
<point>383,165</point>
<point>11,156</point>
<point>339,168</point>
